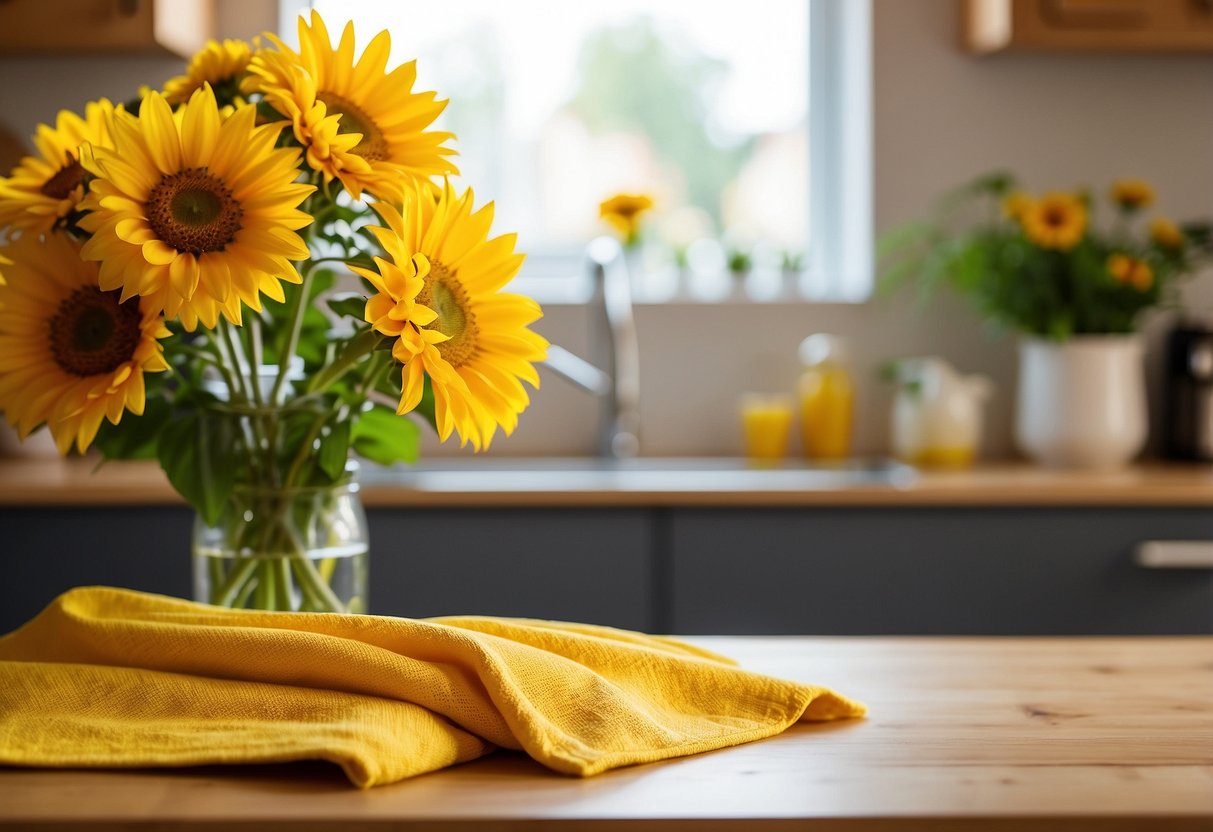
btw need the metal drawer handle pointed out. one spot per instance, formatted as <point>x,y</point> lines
<point>1175,554</point>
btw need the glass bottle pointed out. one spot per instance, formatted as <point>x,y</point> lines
<point>826,396</point>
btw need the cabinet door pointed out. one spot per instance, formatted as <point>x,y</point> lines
<point>928,571</point>
<point>47,551</point>
<point>589,565</point>
<point>180,27</point>
<point>592,566</point>
<point>1089,25</point>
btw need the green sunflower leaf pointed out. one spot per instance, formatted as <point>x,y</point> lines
<point>135,437</point>
<point>197,453</point>
<point>334,450</point>
<point>352,306</point>
<point>383,437</point>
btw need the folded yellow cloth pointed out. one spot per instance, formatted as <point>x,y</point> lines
<point>112,678</point>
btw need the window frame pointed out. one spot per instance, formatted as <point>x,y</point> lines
<point>841,259</point>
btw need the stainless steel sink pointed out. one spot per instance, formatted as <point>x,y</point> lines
<point>707,474</point>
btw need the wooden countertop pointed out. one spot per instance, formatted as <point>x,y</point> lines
<point>76,483</point>
<point>964,734</point>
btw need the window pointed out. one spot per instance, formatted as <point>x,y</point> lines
<point>702,104</point>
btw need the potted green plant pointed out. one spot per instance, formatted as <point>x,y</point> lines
<point>1073,288</point>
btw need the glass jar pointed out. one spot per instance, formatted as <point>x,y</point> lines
<point>827,399</point>
<point>301,549</point>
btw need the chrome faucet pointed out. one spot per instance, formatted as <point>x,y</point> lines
<point>614,375</point>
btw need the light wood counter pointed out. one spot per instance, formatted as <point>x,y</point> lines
<point>82,483</point>
<point>964,734</point>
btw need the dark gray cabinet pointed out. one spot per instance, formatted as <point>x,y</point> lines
<point>577,565</point>
<point>45,551</point>
<point>563,564</point>
<point>823,571</point>
<point>971,571</point>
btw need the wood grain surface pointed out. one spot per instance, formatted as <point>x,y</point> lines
<point>38,482</point>
<point>964,734</point>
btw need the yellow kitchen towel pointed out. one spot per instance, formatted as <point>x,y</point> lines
<point>108,677</point>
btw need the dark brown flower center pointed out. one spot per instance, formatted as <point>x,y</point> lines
<point>1055,216</point>
<point>353,119</point>
<point>65,181</point>
<point>446,296</point>
<point>92,333</point>
<point>193,211</point>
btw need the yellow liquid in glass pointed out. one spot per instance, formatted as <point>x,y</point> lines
<point>827,401</point>
<point>944,457</point>
<point>766,424</point>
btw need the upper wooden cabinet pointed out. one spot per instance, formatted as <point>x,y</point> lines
<point>1088,25</point>
<point>177,27</point>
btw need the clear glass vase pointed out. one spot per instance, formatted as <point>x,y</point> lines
<point>300,549</point>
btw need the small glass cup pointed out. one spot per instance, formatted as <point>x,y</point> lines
<point>766,423</point>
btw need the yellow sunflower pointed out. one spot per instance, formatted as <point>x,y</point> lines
<point>440,297</point>
<point>357,123</point>
<point>1131,270</point>
<point>1015,203</point>
<point>222,65</point>
<point>1166,233</point>
<point>1131,194</point>
<point>45,188</point>
<point>1056,220</point>
<point>623,213</point>
<point>71,354</point>
<point>197,213</point>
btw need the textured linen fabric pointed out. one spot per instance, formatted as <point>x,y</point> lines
<point>115,678</point>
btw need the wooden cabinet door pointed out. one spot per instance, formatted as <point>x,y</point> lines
<point>179,27</point>
<point>1088,25</point>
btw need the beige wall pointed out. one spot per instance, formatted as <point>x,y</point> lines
<point>940,117</point>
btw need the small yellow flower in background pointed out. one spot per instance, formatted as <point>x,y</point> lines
<point>1015,203</point>
<point>356,122</point>
<point>1132,194</point>
<point>46,188</point>
<point>195,212</point>
<point>1131,270</point>
<point>221,65</point>
<point>623,213</point>
<point>441,298</point>
<point>1166,233</point>
<point>70,353</point>
<point>1057,220</point>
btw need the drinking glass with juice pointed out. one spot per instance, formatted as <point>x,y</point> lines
<point>766,423</point>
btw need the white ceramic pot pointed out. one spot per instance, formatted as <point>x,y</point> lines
<point>1081,403</point>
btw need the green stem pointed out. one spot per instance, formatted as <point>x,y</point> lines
<point>357,348</point>
<point>234,390</point>
<point>256,442</point>
<point>243,595</point>
<point>252,349</point>
<point>361,261</point>
<point>237,580</point>
<point>298,307</point>
<point>305,448</point>
<point>264,595</point>
<point>282,584</point>
<point>214,568</point>
<point>322,594</point>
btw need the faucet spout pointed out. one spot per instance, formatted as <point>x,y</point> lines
<point>577,371</point>
<point>614,373</point>
<point>613,329</point>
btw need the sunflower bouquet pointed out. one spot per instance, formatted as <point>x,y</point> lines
<point>251,275</point>
<point>1041,265</point>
